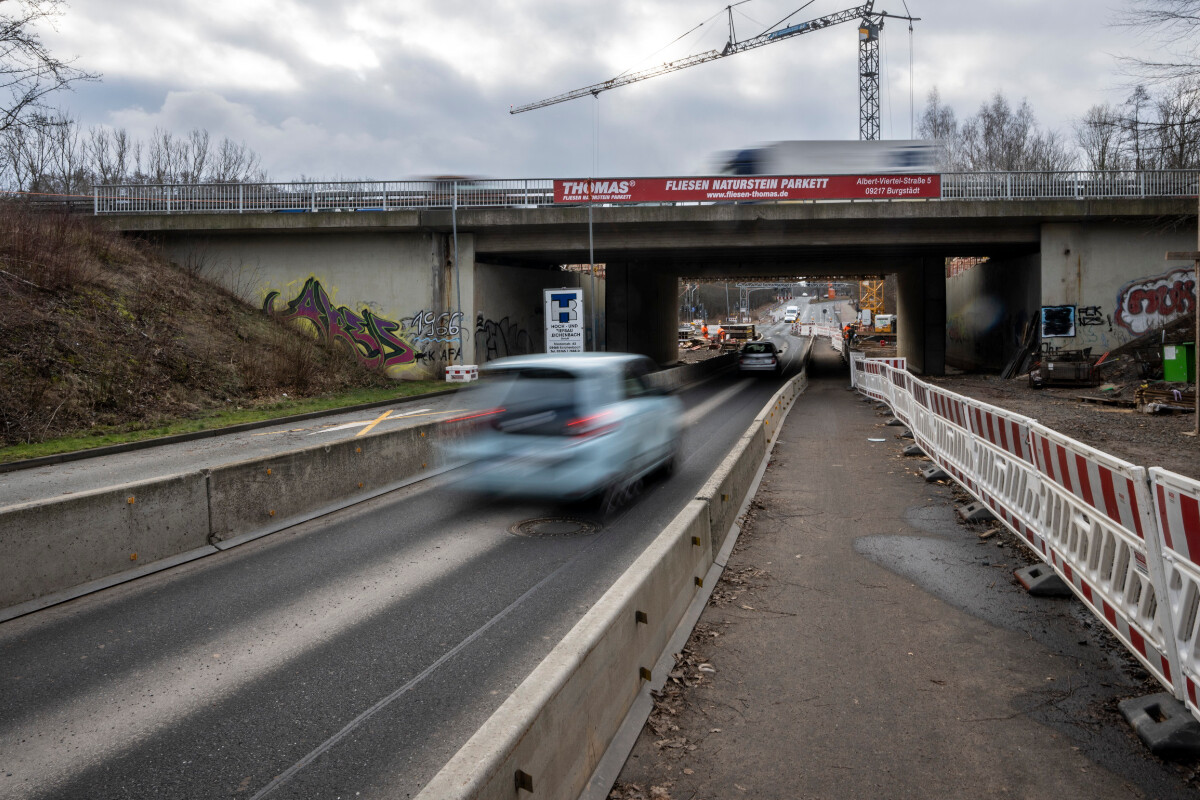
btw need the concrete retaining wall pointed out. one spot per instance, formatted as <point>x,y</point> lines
<point>52,546</point>
<point>251,495</point>
<point>54,550</point>
<point>555,728</point>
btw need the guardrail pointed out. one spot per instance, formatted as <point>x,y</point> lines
<point>1125,539</point>
<point>300,196</point>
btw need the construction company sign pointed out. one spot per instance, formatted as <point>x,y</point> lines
<point>721,189</point>
<point>564,320</point>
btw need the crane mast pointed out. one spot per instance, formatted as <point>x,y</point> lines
<point>870,24</point>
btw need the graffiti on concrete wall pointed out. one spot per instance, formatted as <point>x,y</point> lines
<point>1057,321</point>
<point>430,326</point>
<point>1088,316</point>
<point>1153,302</point>
<point>375,340</point>
<point>435,335</point>
<point>497,339</point>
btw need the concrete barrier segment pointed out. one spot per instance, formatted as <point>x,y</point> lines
<point>557,724</point>
<point>271,492</point>
<point>52,546</point>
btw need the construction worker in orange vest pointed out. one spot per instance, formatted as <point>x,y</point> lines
<point>704,330</point>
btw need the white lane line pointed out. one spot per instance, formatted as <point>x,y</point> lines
<point>69,737</point>
<point>694,415</point>
<point>332,741</point>
<point>370,422</point>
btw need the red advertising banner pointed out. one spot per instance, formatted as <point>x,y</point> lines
<point>749,188</point>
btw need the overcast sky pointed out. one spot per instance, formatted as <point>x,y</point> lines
<point>388,89</point>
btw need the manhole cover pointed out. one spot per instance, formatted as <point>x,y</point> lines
<point>551,527</point>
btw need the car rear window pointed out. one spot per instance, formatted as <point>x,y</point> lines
<point>535,401</point>
<point>758,347</point>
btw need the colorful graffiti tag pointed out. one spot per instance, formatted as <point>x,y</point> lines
<point>1152,302</point>
<point>430,326</point>
<point>373,339</point>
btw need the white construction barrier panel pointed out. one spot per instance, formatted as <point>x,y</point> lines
<point>1177,507</point>
<point>1098,522</point>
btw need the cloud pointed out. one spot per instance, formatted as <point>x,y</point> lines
<point>385,89</point>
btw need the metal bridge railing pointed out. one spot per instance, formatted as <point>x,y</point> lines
<point>242,198</point>
<point>1067,185</point>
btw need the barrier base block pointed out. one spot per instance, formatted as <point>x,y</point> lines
<point>934,474</point>
<point>1041,581</point>
<point>906,434</point>
<point>1164,725</point>
<point>914,450</point>
<point>975,512</point>
<point>894,423</point>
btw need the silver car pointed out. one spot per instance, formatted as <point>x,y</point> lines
<point>760,357</point>
<point>566,428</point>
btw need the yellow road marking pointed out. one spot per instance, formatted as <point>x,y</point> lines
<point>362,422</point>
<point>378,420</point>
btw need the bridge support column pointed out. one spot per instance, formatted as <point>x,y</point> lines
<point>641,313</point>
<point>921,316</point>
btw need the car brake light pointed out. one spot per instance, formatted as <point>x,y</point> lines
<point>594,425</point>
<point>474,421</point>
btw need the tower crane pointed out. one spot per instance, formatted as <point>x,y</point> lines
<point>869,27</point>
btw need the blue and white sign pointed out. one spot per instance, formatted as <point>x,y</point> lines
<point>564,320</point>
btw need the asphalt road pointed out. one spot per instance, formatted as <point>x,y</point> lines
<point>347,657</point>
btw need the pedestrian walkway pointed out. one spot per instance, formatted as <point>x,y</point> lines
<point>865,644</point>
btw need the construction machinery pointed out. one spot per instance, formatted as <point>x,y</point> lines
<point>870,24</point>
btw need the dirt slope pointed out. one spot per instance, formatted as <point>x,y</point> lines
<point>96,330</point>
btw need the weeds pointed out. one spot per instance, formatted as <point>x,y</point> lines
<point>99,333</point>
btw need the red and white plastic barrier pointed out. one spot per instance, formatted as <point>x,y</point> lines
<point>1125,539</point>
<point>462,374</point>
<point>1098,521</point>
<point>1177,507</point>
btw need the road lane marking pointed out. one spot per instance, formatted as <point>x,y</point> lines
<point>351,726</point>
<point>378,420</point>
<point>694,415</point>
<point>91,728</point>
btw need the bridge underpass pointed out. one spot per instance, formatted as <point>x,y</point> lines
<point>1040,253</point>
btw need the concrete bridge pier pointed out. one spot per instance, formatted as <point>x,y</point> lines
<point>921,307</point>
<point>642,312</point>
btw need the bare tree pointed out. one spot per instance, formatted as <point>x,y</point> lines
<point>28,71</point>
<point>1177,131</point>
<point>939,123</point>
<point>1136,102</point>
<point>998,138</point>
<point>234,162</point>
<point>1101,137</point>
<point>1176,25</point>
<point>195,153</point>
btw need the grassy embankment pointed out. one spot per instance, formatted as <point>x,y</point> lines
<point>102,342</point>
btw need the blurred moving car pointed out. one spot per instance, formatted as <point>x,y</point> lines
<point>760,357</point>
<point>567,427</point>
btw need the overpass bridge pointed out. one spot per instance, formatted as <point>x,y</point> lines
<point>1090,243</point>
